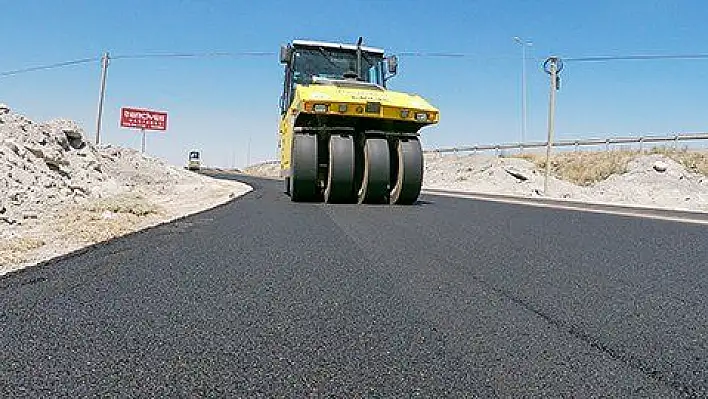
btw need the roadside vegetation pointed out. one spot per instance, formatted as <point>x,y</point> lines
<point>12,249</point>
<point>126,203</point>
<point>587,167</point>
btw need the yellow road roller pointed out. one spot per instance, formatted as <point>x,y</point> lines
<point>344,137</point>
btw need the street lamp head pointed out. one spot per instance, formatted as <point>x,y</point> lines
<point>522,41</point>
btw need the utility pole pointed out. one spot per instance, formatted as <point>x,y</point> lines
<point>524,44</point>
<point>101,95</point>
<point>552,66</point>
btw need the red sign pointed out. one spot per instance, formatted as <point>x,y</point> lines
<point>143,119</point>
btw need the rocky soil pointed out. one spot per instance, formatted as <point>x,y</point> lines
<point>649,180</point>
<point>59,192</point>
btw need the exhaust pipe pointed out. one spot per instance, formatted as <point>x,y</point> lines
<point>358,58</point>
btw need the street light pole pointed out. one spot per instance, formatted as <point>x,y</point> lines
<point>524,44</point>
<point>248,153</point>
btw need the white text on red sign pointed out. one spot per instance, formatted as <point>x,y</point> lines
<point>143,119</point>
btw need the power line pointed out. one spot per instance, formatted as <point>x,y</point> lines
<point>599,58</point>
<point>50,66</point>
<point>138,56</point>
<point>434,54</point>
<point>194,55</point>
<point>400,54</point>
<point>637,57</point>
<point>469,56</point>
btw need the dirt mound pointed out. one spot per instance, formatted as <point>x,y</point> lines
<point>265,169</point>
<point>648,180</point>
<point>59,192</point>
<point>655,180</point>
<point>491,174</point>
<point>43,165</point>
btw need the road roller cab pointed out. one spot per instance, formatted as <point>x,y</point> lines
<point>344,137</point>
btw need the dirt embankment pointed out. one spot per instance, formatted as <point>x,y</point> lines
<point>59,193</point>
<point>269,170</point>
<point>668,179</point>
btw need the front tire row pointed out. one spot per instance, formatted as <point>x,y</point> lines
<point>373,171</point>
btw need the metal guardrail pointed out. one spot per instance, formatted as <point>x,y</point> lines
<point>676,138</point>
<point>270,162</point>
<point>575,143</point>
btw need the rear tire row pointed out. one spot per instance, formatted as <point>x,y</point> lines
<point>375,171</point>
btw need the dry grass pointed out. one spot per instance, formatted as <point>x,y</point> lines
<point>694,161</point>
<point>105,218</point>
<point>90,227</point>
<point>585,168</point>
<point>13,250</point>
<point>128,203</point>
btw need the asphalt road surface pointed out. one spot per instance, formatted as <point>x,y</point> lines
<point>447,298</point>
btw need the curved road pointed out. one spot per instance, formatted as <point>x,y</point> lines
<point>448,298</point>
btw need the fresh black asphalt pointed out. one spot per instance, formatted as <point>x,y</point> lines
<point>450,297</point>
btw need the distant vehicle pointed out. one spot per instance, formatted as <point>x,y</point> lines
<point>194,163</point>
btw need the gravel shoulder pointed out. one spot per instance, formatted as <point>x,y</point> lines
<point>59,193</point>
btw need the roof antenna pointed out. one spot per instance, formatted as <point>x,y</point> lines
<point>358,58</point>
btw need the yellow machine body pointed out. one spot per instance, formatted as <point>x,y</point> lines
<point>358,140</point>
<point>351,102</point>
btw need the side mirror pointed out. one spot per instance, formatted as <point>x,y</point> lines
<point>392,62</point>
<point>286,53</point>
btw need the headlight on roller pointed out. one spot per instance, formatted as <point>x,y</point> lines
<point>405,113</point>
<point>421,117</point>
<point>320,107</point>
<point>342,108</point>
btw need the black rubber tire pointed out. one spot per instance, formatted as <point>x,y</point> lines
<point>409,179</point>
<point>303,172</point>
<point>340,175</point>
<point>286,185</point>
<point>377,172</point>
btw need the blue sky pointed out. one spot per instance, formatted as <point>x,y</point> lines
<point>219,105</point>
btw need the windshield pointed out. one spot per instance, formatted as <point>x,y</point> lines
<point>335,64</point>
